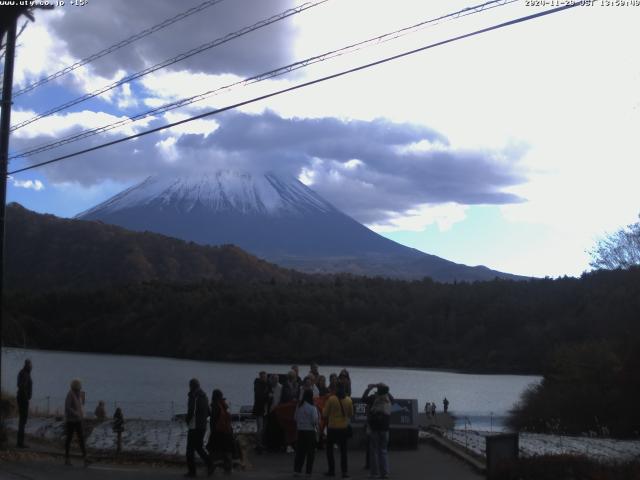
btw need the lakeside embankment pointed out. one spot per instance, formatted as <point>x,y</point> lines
<point>44,460</point>
<point>167,439</point>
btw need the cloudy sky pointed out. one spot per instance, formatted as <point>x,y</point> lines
<point>514,149</point>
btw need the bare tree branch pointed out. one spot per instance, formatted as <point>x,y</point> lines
<point>621,249</point>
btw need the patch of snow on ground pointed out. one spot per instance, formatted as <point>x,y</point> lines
<point>47,428</point>
<point>157,436</point>
<point>531,444</point>
<point>163,437</point>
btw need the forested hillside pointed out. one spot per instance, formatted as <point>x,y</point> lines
<point>501,326</point>
<point>44,252</point>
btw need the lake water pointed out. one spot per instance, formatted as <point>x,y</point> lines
<point>156,388</point>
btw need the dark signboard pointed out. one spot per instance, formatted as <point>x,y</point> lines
<point>404,412</point>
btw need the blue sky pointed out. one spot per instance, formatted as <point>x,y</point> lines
<point>515,150</point>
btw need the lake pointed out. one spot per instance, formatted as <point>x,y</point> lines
<point>156,388</point>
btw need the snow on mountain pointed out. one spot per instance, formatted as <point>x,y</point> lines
<point>274,217</point>
<point>220,191</point>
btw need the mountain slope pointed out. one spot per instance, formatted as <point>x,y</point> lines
<point>44,252</point>
<point>276,218</point>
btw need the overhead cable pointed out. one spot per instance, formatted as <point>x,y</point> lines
<point>119,45</point>
<point>299,86</point>
<point>171,61</point>
<point>265,76</point>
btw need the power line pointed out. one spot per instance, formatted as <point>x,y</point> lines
<point>301,85</point>
<point>266,75</point>
<point>119,45</point>
<point>206,46</point>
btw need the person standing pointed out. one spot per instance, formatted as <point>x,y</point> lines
<point>274,436</point>
<point>307,424</point>
<point>74,414</point>
<point>297,370</point>
<point>197,415</point>
<point>221,433</point>
<point>118,428</point>
<point>345,379</point>
<point>260,401</point>
<point>378,420</point>
<point>309,384</point>
<point>25,387</point>
<point>445,404</point>
<point>368,399</point>
<point>275,393</point>
<point>333,383</point>
<point>322,386</point>
<point>100,411</point>
<point>338,410</point>
<point>290,388</point>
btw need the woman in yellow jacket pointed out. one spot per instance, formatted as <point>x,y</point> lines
<point>338,411</point>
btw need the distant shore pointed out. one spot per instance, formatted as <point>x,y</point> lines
<point>285,364</point>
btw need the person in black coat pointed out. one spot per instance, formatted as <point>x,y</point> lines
<point>25,386</point>
<point>197,415</point>
<point>260,402</point>
<point>118,428</point>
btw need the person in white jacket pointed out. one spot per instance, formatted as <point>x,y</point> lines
<point>307,422</point>
<point>74,415</point>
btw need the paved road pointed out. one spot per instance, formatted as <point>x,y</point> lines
<point>427,462</point>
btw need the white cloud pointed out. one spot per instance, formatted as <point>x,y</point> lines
<point>61,124</point>
<point>126,98</point>
<point>443,215</point>
<point>201,127</point>
<point>166,85</point>
<point>352,164</point>
<point>36,185</point>
<point>39,51</point>
<point>167,149</point>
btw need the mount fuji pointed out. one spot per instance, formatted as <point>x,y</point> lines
<point>274,217</point>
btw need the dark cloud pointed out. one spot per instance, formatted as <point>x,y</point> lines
<point>364,168</point>
<point>101,23</point>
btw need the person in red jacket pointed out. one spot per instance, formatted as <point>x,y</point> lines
<point>221,434</point>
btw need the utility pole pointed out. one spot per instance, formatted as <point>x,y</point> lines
<point>8,24</point>
<point>5,123</point>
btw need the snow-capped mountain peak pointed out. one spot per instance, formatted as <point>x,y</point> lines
<point>221,191</point>
<point>275,217</point>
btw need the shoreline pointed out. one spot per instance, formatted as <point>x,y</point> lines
<point>249,362</point>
